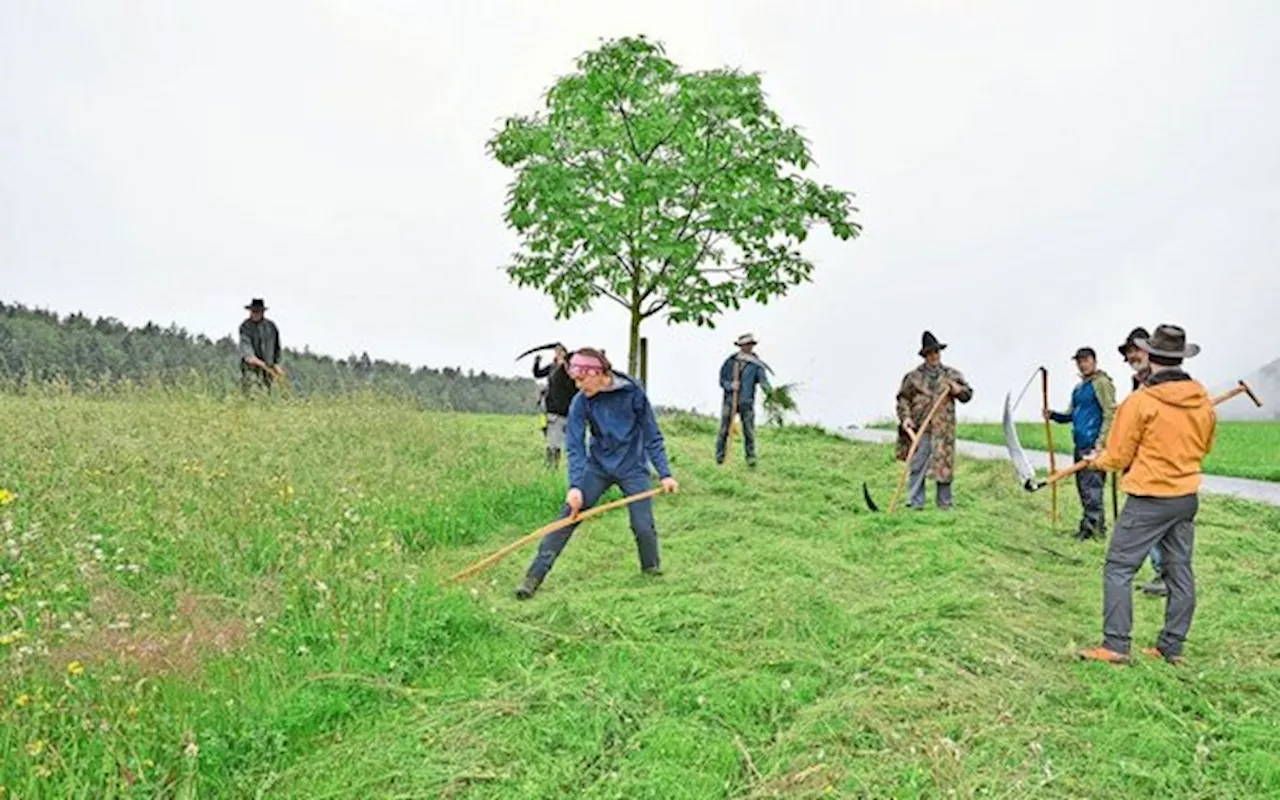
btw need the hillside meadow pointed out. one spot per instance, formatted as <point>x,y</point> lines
<point>219,598</point>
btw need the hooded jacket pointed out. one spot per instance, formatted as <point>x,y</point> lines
<point>1093,405</point>
<point>1161,436</point>
<point>624,433</point>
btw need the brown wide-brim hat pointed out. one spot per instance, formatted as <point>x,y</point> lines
<point>1169,341</point>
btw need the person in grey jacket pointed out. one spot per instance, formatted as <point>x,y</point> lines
<point>740,374</point>
<point>259,348</point>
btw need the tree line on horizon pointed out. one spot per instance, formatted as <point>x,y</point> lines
<point>38,346</point>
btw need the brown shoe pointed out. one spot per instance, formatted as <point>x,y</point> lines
<point>1156,652</point>
<point>1104,654</point>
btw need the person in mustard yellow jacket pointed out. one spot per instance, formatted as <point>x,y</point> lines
<point>1159,440</point>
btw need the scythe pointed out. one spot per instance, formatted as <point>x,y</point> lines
<point>1018,456</point>
<point>532,350</point>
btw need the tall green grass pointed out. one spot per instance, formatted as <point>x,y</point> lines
<point>216,598</point>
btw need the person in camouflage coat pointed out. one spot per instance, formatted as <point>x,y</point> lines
<point>935,457</point>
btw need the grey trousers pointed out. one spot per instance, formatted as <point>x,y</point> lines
<point>1167,523</point>
<point>919,470</point>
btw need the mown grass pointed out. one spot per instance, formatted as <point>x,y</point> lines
<point>1242,449</point>
<point>251,603</point>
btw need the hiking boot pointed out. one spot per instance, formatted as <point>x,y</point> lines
<point>1156,587</point>
<point>1104,654</point>
<point>1156,652</point>
<point>527,587</point>
<point>751,462</point>
<point>652,572</point>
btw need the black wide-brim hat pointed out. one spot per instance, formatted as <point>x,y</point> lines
<point>929,342</point>
<point>257,305</point>
<point>1169,341</point>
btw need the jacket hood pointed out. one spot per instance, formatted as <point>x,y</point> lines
<point>1177,389</point>
<point>621,383</point>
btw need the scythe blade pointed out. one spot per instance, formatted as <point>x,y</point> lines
<point>547,346</point>
<point>866,495</point>
<point>1021,465</point>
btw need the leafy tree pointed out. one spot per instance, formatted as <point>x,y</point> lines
<point>667,192</point>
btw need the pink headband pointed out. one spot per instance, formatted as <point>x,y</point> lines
<point>582,364</point>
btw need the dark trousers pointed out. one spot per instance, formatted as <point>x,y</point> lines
<point>1168,523</point>
<point>594,485</point>
<point>1091,485</point>
<point>748,416</point>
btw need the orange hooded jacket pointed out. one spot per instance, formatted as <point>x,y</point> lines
<point>1160,435</point>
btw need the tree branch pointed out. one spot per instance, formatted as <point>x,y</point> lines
<point>611,295</point>
<point>654,309</point>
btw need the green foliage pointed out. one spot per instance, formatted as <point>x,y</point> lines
<point>38,347</point>
<point>795,643</point>
<point>778,402</point>
<point>665,191</point>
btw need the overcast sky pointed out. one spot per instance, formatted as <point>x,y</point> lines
<point>1031,177</point>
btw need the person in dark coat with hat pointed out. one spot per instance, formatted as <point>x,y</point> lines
<point>935,456</point>
<point>259,348</point>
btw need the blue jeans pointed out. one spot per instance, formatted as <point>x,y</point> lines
<point>594,484</point>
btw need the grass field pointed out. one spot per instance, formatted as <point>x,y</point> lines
<point>208,599</point>
<point>1242,449</point>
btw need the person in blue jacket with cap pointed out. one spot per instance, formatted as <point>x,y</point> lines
<point>624,440</point>
<point>1093,407</point>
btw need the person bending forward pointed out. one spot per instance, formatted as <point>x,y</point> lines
<point>624,439</point>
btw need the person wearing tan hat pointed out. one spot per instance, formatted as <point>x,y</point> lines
<point>1159,440</point>
<point>740,374</point>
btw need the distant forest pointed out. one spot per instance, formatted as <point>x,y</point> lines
<point>38,346</point>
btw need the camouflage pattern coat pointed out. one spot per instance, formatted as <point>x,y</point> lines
<point>916,396</point>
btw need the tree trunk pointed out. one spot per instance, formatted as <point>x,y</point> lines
<point>633,356</point>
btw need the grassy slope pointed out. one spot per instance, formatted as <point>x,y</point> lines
<point>1242,449</point>
<point>796,643</point>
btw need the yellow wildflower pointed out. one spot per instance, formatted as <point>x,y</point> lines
<point>36,747</point>
<point>22,700</point>
<point>10,638</point>
<point>7,497</point>
<point>75,668</point>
